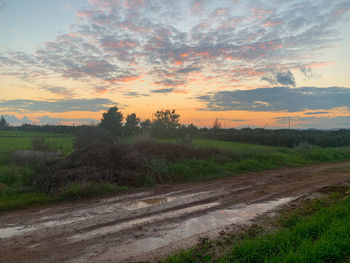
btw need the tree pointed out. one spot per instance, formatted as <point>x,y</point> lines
<point>132,124</point>
<point>216,124</point>
<point>165,122</point>
<point>3,122</point>
<point>168,119</point>
<point>112,121</point>
<point>146,125</point>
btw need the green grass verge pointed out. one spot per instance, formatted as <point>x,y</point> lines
<point>235,161</point>
<point>318,232</point>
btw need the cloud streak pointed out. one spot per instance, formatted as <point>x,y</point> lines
<point>278,99</point>
<point>56,106</point>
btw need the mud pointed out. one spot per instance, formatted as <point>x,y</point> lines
<point>149,225</point>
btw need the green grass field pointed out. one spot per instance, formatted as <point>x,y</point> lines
<point>231,146</point>
<point>19,140</point>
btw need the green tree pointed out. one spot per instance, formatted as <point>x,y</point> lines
<point>146,125</point>
<point>3,122</point>
<point>112,121</point>
<point>132,124</point>
<point>166,122</point>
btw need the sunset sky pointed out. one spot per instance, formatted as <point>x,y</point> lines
<point>246,62</point>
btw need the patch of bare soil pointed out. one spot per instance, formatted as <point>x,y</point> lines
<point>149,225</point>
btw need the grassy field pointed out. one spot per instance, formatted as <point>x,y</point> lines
<point>231,146</point>
<point>19,140</point>
<point>318,231</point>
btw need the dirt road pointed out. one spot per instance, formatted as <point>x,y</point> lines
<point>148,225</point>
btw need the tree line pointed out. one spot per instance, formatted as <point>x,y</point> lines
<point>166,123</point>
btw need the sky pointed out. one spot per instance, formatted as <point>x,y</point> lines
<point>248,63</point>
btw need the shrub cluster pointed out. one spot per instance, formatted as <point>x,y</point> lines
<point>120,163</point>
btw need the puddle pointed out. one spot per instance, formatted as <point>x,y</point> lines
<point>132,223</point>
<point>8,232</point>
<point>119,198</point>
<point>196,226</point>
<point>147,203</point>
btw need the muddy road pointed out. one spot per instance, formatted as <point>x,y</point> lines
<point>148,225</point>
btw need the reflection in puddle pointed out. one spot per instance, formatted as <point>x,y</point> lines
<point>203,224</point>
<point>147,203</point>
<point>18,230</point>
<point>140,221</point>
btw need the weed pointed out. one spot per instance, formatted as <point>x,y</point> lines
<point>75,191</point>
<point>41,144</point>
<point>148,181</point>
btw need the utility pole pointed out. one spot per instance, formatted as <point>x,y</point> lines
<point>289,123</point>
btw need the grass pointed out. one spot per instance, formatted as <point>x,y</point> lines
<point>19,140</point>
<point>243,157</point>
<point>231,146</point>
<point>317,232</point>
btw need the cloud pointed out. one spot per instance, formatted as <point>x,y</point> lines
<point>55,106</point>
<point>280,78</point>
<point>136,94</point>
<point>163,90</point>
<point>189,70</point>
<point>278,99</point>
<point>317,112</point>
<point>117,41</point>
<point>61,91</point>
<point>3,4</point>
<point>316,122</point>
<point>14,120</point>
<point>171,82</point>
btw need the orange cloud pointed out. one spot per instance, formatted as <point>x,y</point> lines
<point>271,24</point>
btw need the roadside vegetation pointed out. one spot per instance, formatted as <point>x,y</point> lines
<point>316,231</point>
<point>39,167</point>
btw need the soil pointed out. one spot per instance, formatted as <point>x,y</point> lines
<point>151,224</point>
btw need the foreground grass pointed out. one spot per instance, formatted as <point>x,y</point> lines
<point>319,232</point>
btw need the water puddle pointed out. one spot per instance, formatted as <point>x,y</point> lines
<point>8,232</point>
<point>147,203</point>
<point>196,226</point>
<point>136,222</point>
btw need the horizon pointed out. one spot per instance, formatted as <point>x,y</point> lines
<point>247,63</point>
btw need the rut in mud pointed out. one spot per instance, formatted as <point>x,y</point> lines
<point>151,224</point>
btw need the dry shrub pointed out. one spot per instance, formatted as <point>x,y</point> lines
<point>91,134</point>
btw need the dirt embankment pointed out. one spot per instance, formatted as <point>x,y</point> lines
<point>148,225</point>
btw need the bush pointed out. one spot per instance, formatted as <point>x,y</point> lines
<point>90,134</point>
<point>119,163</point>
<point>41,144</point>
<point>15,176</point>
